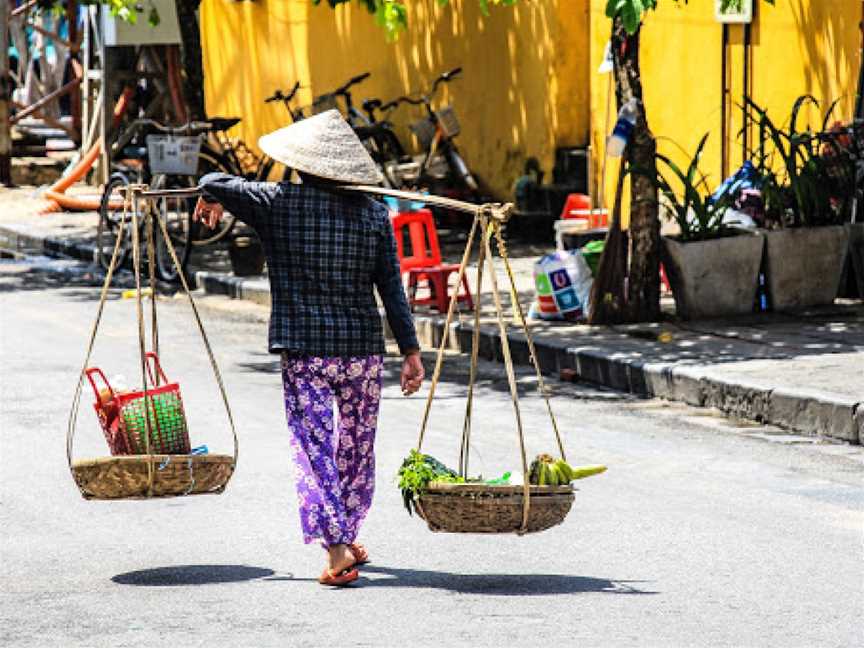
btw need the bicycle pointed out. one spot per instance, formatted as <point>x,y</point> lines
<point>440,167</point>
<point>166,161</point>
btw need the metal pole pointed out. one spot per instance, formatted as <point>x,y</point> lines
<point>51,96</point>
<point>5,91</point>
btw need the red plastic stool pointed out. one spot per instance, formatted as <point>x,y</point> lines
<point>664,280</point>
<point>424,267</point>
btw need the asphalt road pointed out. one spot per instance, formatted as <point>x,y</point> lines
<point>704,531</point>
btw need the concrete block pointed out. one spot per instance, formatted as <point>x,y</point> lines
<point>595,366</point>
<point>686,385</point>
<point>658,380</point>
<point>551,358</point>
<point>216,284</point>
<point>738,399</point>
<point>518,349</point>
<point>567,360</point>
<point>815,414</point>
<point>464,338</point>
<point>859,422</point>
<point>637,378</point>
<point>255,292</point>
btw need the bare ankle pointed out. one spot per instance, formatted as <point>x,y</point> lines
<point>339,554</point>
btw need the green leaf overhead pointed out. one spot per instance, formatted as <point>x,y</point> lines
<point>392,15</point>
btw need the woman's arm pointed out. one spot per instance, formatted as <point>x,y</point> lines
<point>248,201</point>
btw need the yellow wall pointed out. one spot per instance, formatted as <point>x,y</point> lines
<point>531,81</point>
<point>798,47</point>
<point>524,90</point>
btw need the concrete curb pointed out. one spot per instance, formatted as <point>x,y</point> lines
<point>808,413</point>
<point>14,239</point>
<point>805,412</point>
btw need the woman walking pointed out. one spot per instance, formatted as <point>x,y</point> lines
<point>326,251</point>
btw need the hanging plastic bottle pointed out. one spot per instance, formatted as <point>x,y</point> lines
<point>617,141</point>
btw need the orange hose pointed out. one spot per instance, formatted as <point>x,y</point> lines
<point>57,198</point>
<point>80,169</point>
<point>71,203</point>
<point>122,104</point>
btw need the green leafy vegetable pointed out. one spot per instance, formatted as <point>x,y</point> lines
<point>417,471</point>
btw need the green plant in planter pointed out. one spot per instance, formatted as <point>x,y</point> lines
<point>801,186</point>
<point>698,215</point>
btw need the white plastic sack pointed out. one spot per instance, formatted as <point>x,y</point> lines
<point>562,282</point>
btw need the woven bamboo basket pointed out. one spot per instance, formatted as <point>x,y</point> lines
<point>152,420</point>
<point>481,508</point>
<point>127,477</point>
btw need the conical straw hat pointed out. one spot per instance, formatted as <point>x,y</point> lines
<point>325,146</point>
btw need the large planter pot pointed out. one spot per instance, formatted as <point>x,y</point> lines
<point>716,277</point>
<point>804,265</point>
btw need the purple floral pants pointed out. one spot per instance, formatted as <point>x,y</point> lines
<point>333,452</point>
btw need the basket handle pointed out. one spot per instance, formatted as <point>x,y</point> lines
<point>96,371</point>
<point>154,360</point>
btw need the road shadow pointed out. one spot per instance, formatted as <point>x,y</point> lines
<point>79,281</point>
<point>498,584</point>
<point>491,584</point>
<point>181,575</point>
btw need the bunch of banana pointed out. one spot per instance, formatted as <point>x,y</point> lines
<point>548,471</point>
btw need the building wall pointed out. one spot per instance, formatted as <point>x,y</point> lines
<point>524,91</point>
<point>797,47</point>
<point>531,82</point>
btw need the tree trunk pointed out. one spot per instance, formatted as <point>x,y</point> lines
<point>190,58</point>
<point>643,292</point>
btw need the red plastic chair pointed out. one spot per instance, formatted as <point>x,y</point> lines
<point>575,202</point>
<point>424,267</point>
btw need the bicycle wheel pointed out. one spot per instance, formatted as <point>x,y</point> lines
<point>389,155</point>
<point>208,162</point>
<point>110,218</point>
<point>176,213</point>
<point>460,170</point>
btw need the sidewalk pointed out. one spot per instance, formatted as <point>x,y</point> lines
<point>802,372</point>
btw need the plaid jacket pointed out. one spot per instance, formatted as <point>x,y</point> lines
<point>325,252</point>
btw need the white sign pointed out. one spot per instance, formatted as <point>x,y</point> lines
<point>737,11</point>
<point>119,32</point>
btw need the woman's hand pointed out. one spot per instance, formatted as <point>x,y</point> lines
<point>208,212</point>
<point>412,373</point>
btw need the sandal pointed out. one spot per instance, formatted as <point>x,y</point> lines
<point>361,555</point>
<point>346,576</point>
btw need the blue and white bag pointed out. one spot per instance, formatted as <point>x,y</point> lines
<point>562,281</point>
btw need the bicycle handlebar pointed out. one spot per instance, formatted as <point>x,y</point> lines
<point>278,96</point>
<point>404,99</point>
<point>343,89</point>
<point>446,77</point>
<point>174,130</point>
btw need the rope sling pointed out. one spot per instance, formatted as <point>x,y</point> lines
<point>488,221</point>
<point>145,475</point>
